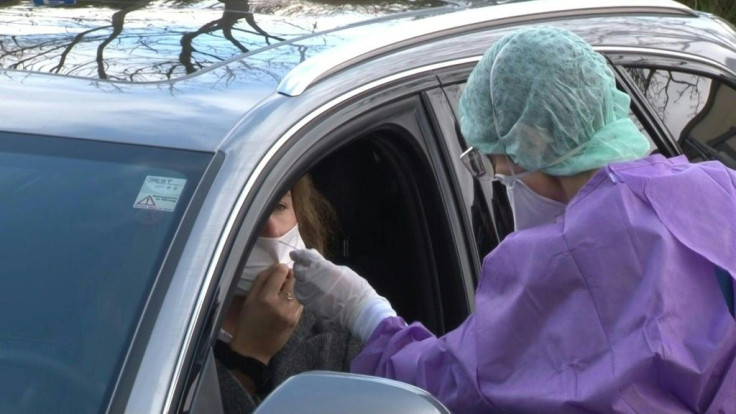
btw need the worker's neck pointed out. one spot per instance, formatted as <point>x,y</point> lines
<point>572,184</point>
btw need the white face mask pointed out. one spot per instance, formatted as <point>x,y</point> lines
<point>267,252</point>
<point>529,208</point>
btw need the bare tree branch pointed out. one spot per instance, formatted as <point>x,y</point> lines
<point>118,20</point>
<point>71,45</point>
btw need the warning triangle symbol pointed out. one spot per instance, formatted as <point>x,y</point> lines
<point>148,201</point>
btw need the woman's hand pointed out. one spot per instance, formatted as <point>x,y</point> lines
<point>269,315</point>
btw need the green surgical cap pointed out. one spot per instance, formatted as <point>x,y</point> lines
<point>545,98</point>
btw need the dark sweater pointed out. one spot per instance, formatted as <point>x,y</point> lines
<point>312,346</point>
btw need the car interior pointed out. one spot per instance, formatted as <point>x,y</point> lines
<point>390,229</point>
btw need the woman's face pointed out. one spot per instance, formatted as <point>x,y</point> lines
<point>282,219</point>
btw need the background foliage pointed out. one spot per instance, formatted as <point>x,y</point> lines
<point>723,8</point>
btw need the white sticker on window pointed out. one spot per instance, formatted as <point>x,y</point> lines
<point>159,193</point>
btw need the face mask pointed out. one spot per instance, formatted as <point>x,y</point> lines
<point>529,208</point>
<point>267,252</point>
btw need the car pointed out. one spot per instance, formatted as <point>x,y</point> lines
<point>144,143</point>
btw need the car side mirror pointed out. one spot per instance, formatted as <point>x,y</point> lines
<point>327,392</point>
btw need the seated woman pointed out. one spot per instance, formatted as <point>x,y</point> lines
<point>266,337</point>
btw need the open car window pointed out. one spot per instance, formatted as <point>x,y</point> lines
<point>392,226</point>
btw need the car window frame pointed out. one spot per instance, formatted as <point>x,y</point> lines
<point>288,164</point>
<point>445,118</point>
<point>664,61</point>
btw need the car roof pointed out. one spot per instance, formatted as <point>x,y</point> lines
<point>148,41</point>
<point>172,75</point>
<point>199,110</point>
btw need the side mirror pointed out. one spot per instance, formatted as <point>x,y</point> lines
<point>327,392</point>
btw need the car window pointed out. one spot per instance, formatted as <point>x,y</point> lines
<point>641,128</point>
<point>390,228</point>
<point>696,109</point>
<point>85,228</point>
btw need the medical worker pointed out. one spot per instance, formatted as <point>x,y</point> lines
<point>607,297</point>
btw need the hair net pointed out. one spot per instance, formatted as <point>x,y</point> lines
<point>545,98</point>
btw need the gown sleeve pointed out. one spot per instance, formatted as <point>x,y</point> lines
<point>443,366</point>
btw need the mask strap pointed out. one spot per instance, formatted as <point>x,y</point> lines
<point>567,155</point>
<point>513,176</point>
<point>558,160</point>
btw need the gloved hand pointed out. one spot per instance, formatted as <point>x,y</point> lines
<point>337,294</point>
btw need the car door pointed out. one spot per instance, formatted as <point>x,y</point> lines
<point>381,163</point>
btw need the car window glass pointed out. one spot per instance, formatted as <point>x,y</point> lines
<point>641,128</point>
<point>696,109</point>
<point>85,230</point>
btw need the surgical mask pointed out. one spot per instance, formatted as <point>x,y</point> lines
<point>529,208</point>
<point>267,252</point>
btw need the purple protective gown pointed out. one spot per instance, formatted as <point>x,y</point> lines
<point>615,307</point>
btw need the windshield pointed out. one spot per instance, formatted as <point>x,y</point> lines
<point>85,227</point>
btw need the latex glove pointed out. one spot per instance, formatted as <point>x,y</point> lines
<point>337,294</point>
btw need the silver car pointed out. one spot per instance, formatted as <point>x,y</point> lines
<point>144,143</point>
